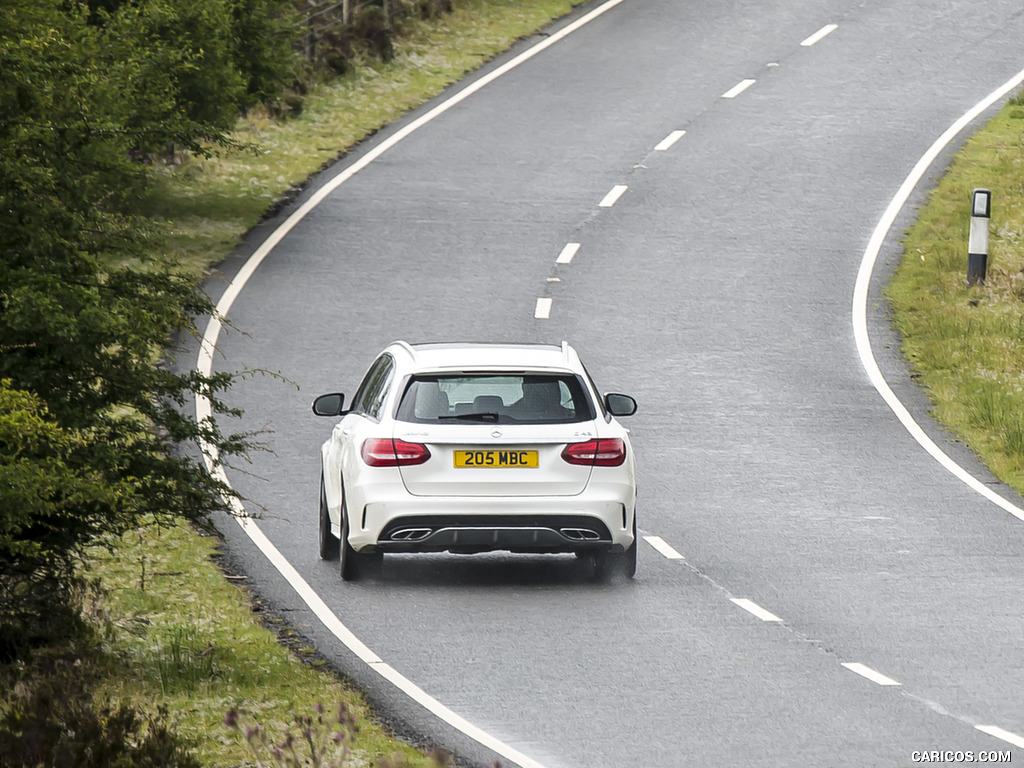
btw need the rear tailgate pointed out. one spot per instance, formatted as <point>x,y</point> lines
<point>487,459</point>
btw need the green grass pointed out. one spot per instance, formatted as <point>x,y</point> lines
<point>967,343</point>
<point>176,633</point>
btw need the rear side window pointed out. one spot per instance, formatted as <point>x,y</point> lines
<point>496,398</point>
<point>370,396</point>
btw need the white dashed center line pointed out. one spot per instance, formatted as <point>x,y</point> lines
<point>999,733</point>
<point>737,89</point>
<point>818,35</point>
<point>565,257</point>
<point>543,310</point>
<point>751,607</point>
<point>659,544</point>
<point>669,140</point>
<point>612,197</point>
<point>869,673</point>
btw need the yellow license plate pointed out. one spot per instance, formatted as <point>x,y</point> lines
<point>495,459</point>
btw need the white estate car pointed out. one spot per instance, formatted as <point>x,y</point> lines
<point>477,447</point>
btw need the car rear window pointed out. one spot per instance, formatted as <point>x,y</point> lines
<point>502,398</point>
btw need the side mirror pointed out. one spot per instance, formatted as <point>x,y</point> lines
<point>619,405</point>
<point>329,405</point>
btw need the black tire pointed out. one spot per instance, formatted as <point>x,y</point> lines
<point>609,564</point>
<point>330,545</point>
<point>349,557</point>
<point>630,555</point>
<point>356,565</point>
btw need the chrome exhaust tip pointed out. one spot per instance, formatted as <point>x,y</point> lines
<point>580,534</point>
<point>410,534</point>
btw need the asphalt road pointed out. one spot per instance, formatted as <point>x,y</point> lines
<point>717,290</point>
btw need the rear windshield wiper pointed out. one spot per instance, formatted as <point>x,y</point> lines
<point>484,416</point>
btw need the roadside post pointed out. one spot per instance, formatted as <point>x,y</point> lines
<point>977,244</point>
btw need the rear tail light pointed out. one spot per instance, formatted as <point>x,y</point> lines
<point>608,452</point>
<point>385,452</point>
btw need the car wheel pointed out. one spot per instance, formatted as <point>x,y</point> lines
<point>330,546</point>
<point>349,557</point>
<point>608,564</point>
<point>629,556</point>
<point>355,565</point>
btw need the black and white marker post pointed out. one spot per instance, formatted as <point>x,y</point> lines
<point>977,244</point>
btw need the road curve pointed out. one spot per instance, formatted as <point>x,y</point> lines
<point>815,588</point>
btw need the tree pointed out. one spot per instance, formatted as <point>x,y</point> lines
<point>263,38</point>
<point>46,494</point>
<point>90,423</point>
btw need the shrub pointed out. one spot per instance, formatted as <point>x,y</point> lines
<point>51,723</point>
<point>371,26</point>
<point>89,425</point>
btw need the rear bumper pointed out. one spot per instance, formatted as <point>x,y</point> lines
<point>484,524</point>
<point>482,533</point>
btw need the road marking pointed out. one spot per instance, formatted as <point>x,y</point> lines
<point>827,29</point>
<point>613,196</point>
<point>999,733</point>
<point>663,547</point>
<point>669,140</point>
<point>737,89</point>
<point>751,607</point>
<point>860,298</point>
<point>543,310</point>
<point>204,408</point>
<point>565,257</point>
<point>869,673</point>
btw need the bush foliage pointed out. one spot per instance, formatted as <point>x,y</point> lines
<point>51,722</point>
<point>93,93</point>
<point>89,422</point>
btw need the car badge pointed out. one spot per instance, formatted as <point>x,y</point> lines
<point>495,433</point>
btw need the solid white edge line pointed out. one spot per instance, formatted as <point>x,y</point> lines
<point>333,624</point>
<point>208,345</point>
<point>354,644</point>
<point>999,733</point>
<point>669,140</point>
<point>663,547</point>
<point>737,89</point>
<point>567,254</point>
<point>860,298</point>
<point>869,673</point>
<point>751,607</point>
<point>543,309</point>
<point>613,196</point>
<point>826,30</point>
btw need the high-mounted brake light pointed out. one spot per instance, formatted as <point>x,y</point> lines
<point>607,452</point>
<point>385,452</point>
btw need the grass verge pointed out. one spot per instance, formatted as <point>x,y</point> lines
<point>967,343</point>
<point>175,632</point>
